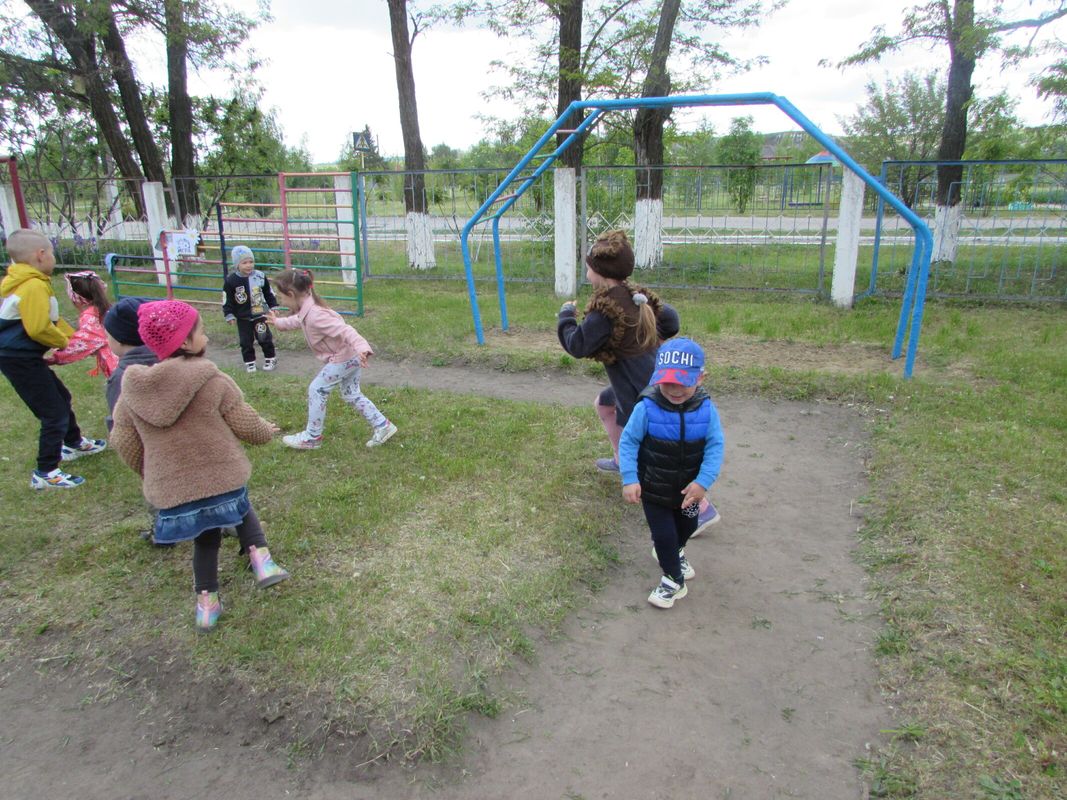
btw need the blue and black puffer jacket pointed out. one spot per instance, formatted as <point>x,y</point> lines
<point>672,451</point>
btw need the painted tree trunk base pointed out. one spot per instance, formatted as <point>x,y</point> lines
<point>420,241</point>
<point>648,233</point>
<point>946,232</point>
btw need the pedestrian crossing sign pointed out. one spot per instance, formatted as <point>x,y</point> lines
<point>361,141</point>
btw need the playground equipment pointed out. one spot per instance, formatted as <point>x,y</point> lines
<point>322,235</point>
<point>915,288</point>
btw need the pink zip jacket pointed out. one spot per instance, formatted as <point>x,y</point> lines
<point>331,339</point>
<point>88,340</point>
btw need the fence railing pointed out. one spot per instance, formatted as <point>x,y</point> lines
<point>766,228</point>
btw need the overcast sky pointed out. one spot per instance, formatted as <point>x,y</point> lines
<point>329,71</point>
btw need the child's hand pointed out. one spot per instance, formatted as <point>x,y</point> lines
<point>274,428</point>
<point>693,493</point>
<point>364,358</point>
<point>271,318</point>
<point>631,493</point>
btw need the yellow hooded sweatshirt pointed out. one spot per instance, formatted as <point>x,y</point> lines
<point>29,314</point>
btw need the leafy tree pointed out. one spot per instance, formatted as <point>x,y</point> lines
<point>968,36</point>
<point>741,146</point>
<point>1052,85</point>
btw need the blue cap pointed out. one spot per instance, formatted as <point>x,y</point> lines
<point>121,321</point>
<point>240,253</point>
<point>678,361</point>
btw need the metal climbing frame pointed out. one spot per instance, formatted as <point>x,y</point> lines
<point>522,179</point>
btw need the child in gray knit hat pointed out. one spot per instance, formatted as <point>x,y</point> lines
<point>247,299</point>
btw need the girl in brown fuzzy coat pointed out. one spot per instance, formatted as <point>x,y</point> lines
<point>178,424</point>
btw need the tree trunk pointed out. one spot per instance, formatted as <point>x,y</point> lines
<point>954,134</point>
<point>570,77</point>
<point>419,229</point>
<point>82,52</point>
<point>648,146</point>
<point>180,110</point>
<point>132,104</point>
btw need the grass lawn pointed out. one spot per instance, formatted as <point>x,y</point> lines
<point>399,612</point>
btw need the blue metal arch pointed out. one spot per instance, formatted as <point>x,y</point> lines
<point>915,288</point>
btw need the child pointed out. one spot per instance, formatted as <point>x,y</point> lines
<point>120,328</point>
<point>247,300</point>
<point>178,423</point>
<point>29,326</point>
<point>670,453</point>
<point>334,342</point>
<point>88,293</point>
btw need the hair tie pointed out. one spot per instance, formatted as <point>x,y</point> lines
<point>307,274</point>
<point>639,299</point>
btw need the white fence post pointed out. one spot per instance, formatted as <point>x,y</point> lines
<point>343,197</point>
<point>846,253</point>
<point>116,221</point>
<point>9,210</point>
<point>156,211</point>
<point>566,229</point>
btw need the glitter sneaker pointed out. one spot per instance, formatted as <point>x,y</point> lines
<point>208,608</point>
<point>266,571</point>
<point>87,447</point>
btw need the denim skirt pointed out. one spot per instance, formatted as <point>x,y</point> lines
<point>189,520</point>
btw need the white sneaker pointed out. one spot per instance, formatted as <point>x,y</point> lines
<point>87,447</point>
<point>687,568</point>
<point>664,595</point>
<point>382,435</point>
<point>250,366</point>
<point>269,364</point>
<point>301,441</point>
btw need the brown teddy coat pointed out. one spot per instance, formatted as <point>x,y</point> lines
<point>177,423</point>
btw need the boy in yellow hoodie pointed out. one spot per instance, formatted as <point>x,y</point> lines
<point>30,326</point>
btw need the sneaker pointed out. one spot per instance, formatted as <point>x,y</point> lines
<point>301,441</point>
<point>708,517</point>
<point>87,447</point>
<point>266,571</point>
<point>607,465</point>
<point>56,479</point>
<point>666,593</point>
<point>269,364</point>
<point>208,608</point>
<point>382,434</point>
<point>250,366</point>
<point>687,568</point>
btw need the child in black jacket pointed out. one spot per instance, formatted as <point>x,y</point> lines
<point>248,298</point>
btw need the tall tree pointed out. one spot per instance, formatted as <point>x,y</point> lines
<point>740,150</point>
<point>569,15</point>
<point>180,109</point>
<point>648,145</point>
<point>419,228</point>
<point>968,37</point>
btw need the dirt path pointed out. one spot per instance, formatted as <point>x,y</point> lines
<point>759,684</point>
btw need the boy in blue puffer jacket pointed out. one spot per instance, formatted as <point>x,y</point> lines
<point>669,455</point>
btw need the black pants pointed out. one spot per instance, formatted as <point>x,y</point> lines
<point>45,395</point>
<point>671,529</point>
<point>250,331</point>
<point>206,550</point>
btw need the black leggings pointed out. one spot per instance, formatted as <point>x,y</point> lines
<point>206,550</point>
<point>671,529</point>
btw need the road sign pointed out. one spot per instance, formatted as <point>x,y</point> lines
<point>361,142</point>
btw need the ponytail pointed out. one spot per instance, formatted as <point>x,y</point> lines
<point>647,335</point>
<point>90,289</point>
<point>298,282</point>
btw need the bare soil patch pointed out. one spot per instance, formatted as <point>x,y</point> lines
<point>759,684</point>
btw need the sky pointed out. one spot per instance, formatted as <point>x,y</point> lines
<point>329,71</point>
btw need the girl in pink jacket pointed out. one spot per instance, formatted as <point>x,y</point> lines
<point>89,295</point>
<point>334,342</point>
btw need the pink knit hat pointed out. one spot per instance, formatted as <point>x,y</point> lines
<point>165,325</point>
